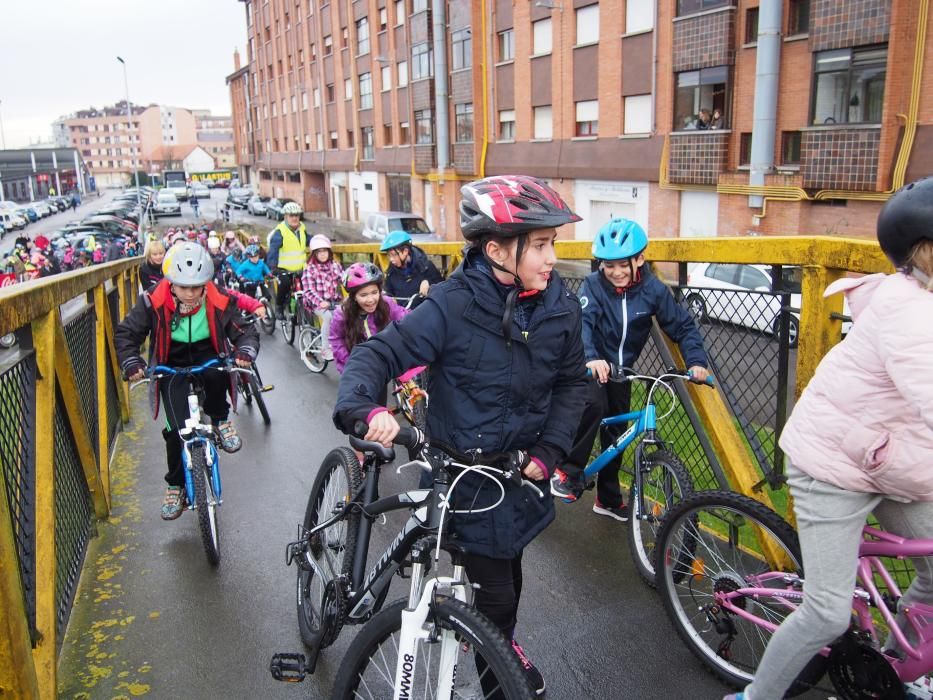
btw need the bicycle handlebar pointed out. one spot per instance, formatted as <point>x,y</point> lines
<point>618,373</point>
<point>160,371</point>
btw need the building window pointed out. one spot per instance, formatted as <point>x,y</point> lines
<point>507,125</point>
<point>347,89</point>
<point>541,41</point>
<point>344,37</point>
<point>350,139</point>
<point>587,118</point>
<point>284,106</point>
<point>422,60</point>
<point>383,19</point>
<point>424,127</point>
<point>331,93</point>
<point>274,112</point>
<point>399,13</point>
<point>304,100</point>
<point>700,94</point>
<point>639,17</point>
<point>328,45</point>
<point>688,7</point>
<point>506,44</point>
<point>362,36</point>
<point>798,17</point>
<point>386,77</point>
<point>366,139</point>
<point>317,97</point>
<point>587,24</point>
<point>637,116</point>
<point>849,85</point>
<point>543,123</point>
<point>461,45</point>
<point>333,139</point>
<point>387,134</point>
<point>313,51</point>
<point>751,25</point>
<point>419,5</point>
<point>294,103</point>
<point>319,140</point>
<point>790,147</point>
<point>464,122</point>
<point>745,148</point>
<point>366,90</point>
<point>402,69</point>
<point>404,134</point>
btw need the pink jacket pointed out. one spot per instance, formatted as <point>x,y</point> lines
<point>865,421</point>
<point>337,344</point>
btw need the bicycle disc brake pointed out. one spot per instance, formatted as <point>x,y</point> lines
<point>860,672</point>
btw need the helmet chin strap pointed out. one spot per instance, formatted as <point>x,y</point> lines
<point>919,275</point>
<point>514,292</point>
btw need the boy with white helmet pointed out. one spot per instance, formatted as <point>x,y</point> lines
<point>321,285</point>
<point>189,320</point>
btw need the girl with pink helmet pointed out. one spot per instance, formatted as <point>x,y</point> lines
<point>321,284</point>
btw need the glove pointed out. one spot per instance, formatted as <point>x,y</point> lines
<point>133,366</point>
<point>243,356</point>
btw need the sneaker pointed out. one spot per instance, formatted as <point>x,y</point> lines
<point>279,313</point>
<point>734,696</point>
<point>564,487</point>
<point>328,355</point>
<point>229,439</point>
<point>620,513</point>
<point>532,674</point>
<point>174,503</point>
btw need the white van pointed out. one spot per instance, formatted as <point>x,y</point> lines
<point>11,220</point>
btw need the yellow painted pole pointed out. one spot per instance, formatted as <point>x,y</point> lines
<point>123,389</point>
<point>17,668</point>
<point>71,398</point>
<point>102,312</point>
<point>44,656</point>
<point>818,331</point>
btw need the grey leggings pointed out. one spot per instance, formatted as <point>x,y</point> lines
<point>829,522</point>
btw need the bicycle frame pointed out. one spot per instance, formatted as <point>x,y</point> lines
<point>643,421</point>
<point>918,660</point>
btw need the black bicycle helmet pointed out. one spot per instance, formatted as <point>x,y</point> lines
<point>510,205</point>
<point>905,220</point>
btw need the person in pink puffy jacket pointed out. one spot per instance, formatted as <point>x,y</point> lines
<point>364,312</point>
<point>860,441</point>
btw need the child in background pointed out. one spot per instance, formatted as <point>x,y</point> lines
<point>150,272</point>
<point>253,272</point>
<point>619,301</point>
<point>321,284</point>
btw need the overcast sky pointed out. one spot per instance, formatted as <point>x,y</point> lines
<point>59,56</point>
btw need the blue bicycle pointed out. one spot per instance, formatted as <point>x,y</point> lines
<point>199,452</point>
<point>659,478</point>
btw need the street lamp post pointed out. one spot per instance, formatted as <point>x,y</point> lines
<point>2,135</point>
<point>129,127</point>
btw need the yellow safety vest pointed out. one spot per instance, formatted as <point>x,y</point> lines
<point>293,255</point>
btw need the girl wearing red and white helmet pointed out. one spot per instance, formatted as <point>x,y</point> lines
<point>364,313</point>
<point>321,285</point>
<point>503,339</point>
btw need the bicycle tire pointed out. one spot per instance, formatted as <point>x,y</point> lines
<point>245,389</point>
<point>370,661</point>
<point>267,322</point>
<point>659,496</point>
<point>708,544</point>
<point>256,390</point>
<point>206,506</point>
<point>310,350</point>
<point>288,328</point>
<point>321,613</point>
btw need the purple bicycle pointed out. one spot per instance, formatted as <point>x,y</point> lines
<point>729,572</point>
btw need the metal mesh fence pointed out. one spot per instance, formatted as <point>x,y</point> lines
<point>17,458</point>
<point>81,339</point>
<point>72,517</point>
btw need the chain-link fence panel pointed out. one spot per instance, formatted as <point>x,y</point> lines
<point>81,338</point>
<point>73,517</point>
<point>17,458</point>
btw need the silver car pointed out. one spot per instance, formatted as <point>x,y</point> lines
<point>257,205</point>
<point>380,223</point>
<point>200,191</point>
<point>167,204</point>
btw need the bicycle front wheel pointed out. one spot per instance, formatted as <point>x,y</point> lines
<point>206,503</point>
<point>287,324</point>
<point>309,347</point>
<point>664,483</point>
<point>329,554</point>
<point>256,390</point>
<point>711,548</point>
<point>473,642</point>
<point>267,322</point>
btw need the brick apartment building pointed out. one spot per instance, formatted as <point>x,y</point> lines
<point>353,106</point>
<point>158,138</point>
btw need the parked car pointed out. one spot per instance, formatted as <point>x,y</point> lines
<point>378,224</point>
<point>257,205</point>
<point>166,204</point>
<point>29,214</point>
<point>41,208</point>
<point>274,208</point>
<point>238,197</point>
<point>708,296</point>
<point>199,191</point>
<point>121,210</point>
<point>109,220</point>
<point>222,183</point>
<point>11,220</point>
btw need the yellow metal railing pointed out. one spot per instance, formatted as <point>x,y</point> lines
<point>28,659</point>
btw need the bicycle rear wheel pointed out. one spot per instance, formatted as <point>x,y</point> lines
<point>712,546</point>
<point>329,554</point>
<point>267,322</point>
<point>245,388</point>
<point>311,351</point>
<point>256,390</point>
<point>369,666</point>
<point>206,503</point>
<point>665,482</point>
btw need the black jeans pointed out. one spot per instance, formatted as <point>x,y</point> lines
<point>609,399</point>
<point>285,287</point>
<point>500,582</point>
<point>174,395</point>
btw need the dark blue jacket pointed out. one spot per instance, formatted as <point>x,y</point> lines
<point>617,326</point>
<point>404,282</point>
<point>483,394</point>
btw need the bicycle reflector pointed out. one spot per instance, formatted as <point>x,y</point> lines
<point>698,568</point>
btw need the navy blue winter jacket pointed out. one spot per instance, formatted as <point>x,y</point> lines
<point>404,282</point>
<point>617,326</point>
<point>483,394</point>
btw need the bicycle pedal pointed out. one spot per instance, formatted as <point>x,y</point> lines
<point>289,668</point>
<point>267,387</point>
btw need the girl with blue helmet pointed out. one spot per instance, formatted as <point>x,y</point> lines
<point>410,271</point>
<point>619,301</point>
